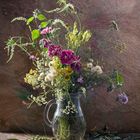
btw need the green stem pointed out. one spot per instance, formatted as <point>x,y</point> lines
<point>79,21</point>
<point>64,128</point>
<point>23,49</point>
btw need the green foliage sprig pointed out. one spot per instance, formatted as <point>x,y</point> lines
<point>16,42</point>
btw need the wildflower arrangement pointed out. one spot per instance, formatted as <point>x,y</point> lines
<point>58,68</point>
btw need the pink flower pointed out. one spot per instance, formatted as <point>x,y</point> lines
<point>67,57</point>
<point>54,50</point>
<point>45,43</point>
<point>32,57</point>
<point>46,30</point>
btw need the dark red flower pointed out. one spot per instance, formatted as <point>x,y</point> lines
<point>76,65</point>
<point>67,57</point>
<point>54,50</point>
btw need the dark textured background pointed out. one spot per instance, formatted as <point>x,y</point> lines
<point>99,109</point>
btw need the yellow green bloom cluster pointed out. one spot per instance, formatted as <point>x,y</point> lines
<point>31,77</point>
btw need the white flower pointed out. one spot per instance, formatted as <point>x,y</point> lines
<point>40,77</point>
<point>46,64</point>
<point>46,79</point>
<point>89,65</point>
<point>91,60</point>
<point>49,77</point>
<point>53,72</point>
<point>97,69</point>
<point>51,64</point>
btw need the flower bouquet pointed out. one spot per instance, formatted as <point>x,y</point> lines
<point>60,70</point>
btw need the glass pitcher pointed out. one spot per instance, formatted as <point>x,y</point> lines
<point>68,122</point>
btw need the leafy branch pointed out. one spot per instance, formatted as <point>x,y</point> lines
<point>64,7</point>
<point>75,38</point>
<point>19,19</point>
<point>115,80</point>
<point>16,42</point>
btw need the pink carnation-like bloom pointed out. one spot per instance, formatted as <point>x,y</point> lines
<point>54,50</point>
<point>67,57</point>
<point>46,30</point>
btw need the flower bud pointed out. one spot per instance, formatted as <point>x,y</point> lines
<point>89,65</point>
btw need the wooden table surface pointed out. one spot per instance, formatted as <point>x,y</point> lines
<point>11,136</point>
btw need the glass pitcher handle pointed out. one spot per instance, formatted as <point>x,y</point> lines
<point>46,112</point>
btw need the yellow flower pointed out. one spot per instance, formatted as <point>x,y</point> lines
<point>66,71</point>
<point>31,77</point>
<point>69,70</point>
<point>67,77</point>
<point>55,63</point>
<point>33,71</point>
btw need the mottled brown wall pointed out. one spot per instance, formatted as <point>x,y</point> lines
<point>14,116</point>
<point>99,109</point>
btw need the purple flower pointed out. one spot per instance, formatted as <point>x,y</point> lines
<point>45,43</point>
<point>80,80</point>
<point>54,50</point>
<point>67,57</point>
<point>46,30</point>
<point>32,57</point>
<point>122,98</point>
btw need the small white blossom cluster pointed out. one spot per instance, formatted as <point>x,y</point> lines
<point>52,73</point>
<point>70,108</point>
<point>94,69</point>
<point>47,72</point>
<point>44,73</point>
<point>39,100</point>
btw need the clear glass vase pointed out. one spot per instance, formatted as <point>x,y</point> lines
<point>68,122</point>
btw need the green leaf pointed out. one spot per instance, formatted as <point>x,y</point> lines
<point>41,17</point>
<point>43,24</point>
<point>118,78</point>
<point>35,34</point>
<point>30,20</point>
<point>23,93</point>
